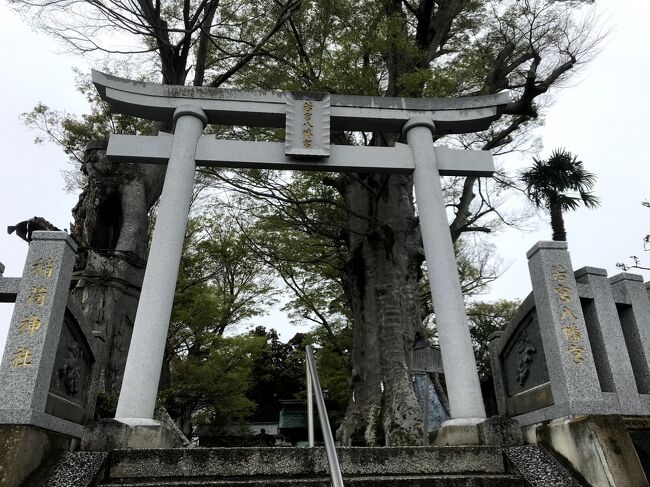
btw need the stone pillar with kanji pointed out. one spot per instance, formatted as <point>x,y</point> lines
<point>570,361</point>
<point>31,347</point>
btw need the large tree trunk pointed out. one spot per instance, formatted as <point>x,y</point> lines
<point>557,221</point>
<point>111,221</point>
<point>382,272</point>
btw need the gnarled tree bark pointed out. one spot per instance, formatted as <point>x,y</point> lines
<point>383,272</point>
<point>111,221</point>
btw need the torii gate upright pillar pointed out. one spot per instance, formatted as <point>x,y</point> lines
<point>143,363</point>
<point>463,387</point>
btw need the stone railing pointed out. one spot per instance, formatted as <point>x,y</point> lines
<point>579,343</point>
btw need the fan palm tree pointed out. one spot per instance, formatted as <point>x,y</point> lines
<point>559,184</point>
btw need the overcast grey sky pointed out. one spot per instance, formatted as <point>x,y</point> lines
<point>603,118</point>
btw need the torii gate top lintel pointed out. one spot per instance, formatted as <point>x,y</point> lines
<point>268,108</point>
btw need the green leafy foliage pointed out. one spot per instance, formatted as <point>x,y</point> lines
<point>211,387</point>
<point>221,281</point>
<point>485,318</point>
<point>299,232</point>
<point>277,372</point>
<point>333,363</point>
<point>72,132</point>
<point>221,285</point>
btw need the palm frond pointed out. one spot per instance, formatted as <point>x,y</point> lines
<point>561,181</point>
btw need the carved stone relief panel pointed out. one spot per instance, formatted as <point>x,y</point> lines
<point>523,357</point>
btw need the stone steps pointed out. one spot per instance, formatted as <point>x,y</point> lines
<point>364,481</point>
<point>303,462</point>
<point>479,466</point>
<point>306,462</point>
<point>494,466</point>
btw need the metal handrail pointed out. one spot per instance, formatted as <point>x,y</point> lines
<point>313,385</point>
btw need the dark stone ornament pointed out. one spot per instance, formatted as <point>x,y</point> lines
<point>70,370</point>
<point>526,351</point>
<point>72,373</point>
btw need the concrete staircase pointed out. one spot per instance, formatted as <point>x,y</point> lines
<point>399,466</point>
<point>526,465</point>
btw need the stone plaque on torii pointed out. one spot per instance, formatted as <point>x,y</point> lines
<point>308,119</point>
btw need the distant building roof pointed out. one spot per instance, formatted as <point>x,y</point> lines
<point>293,403</point>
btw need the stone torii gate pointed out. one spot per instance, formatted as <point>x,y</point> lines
<point>308,119</point>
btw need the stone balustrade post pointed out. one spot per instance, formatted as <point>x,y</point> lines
<point>31,347</point>
<point>608,342</point>
<point>569,358</point>
<point>634,314</point>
